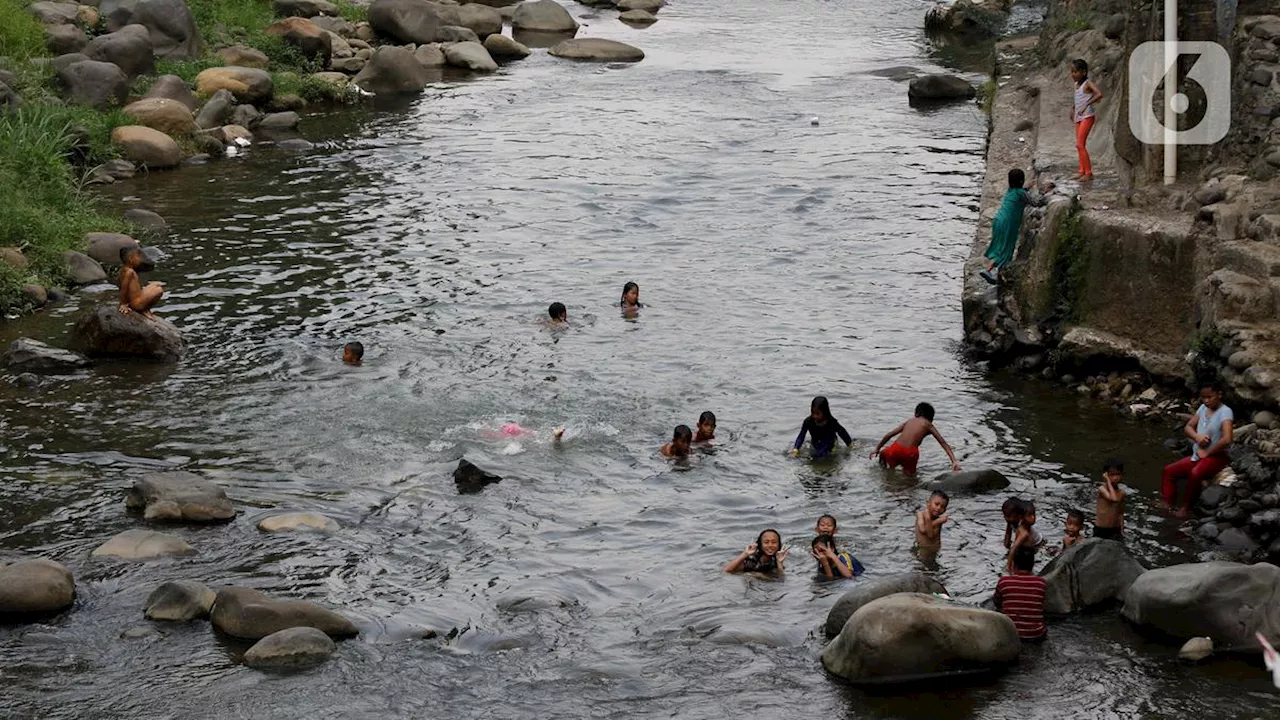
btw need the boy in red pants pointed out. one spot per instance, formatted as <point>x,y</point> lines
<point>906,450</point>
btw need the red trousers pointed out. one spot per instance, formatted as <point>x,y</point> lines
<point>1197,473</point>
<point>896,454</point>
<point>1082,136</point>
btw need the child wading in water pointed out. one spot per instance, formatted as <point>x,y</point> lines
<point>1020,595</point>
<point>906,450</point>
<point>822,429</point>
<point>1083,113</point>
<point>1109,522</point>
<point>1073,528</point>
<point>353,353</point>
<point>681,437</point>
<point>630,300</point>
<point>765,555</point>
<point>134,297</point>
<point>706,428</point>
<point>1020,529</point>
<point>1007,224</point>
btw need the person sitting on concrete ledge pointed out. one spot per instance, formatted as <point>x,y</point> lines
<point>134,297</point>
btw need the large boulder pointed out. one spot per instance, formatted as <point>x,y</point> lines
<point>597,50</point>
<point>241,56</point>
<point>1228,602</point>
<point>501,47</point>
<point>984,480</point>
<point>543,16</point>
<point>252,615</point>
<point>143,545</point>
<point>129,48</point>
<point>1091,572</point>
<point>866,591</point>
<point>306,36</point>
<point>168,116</point>
<point>147,146</point>
<point>179,496</point>
<point>940,87</point>
<point>481,19</point>
<point>82,269</point>
<point>149,222</point>
<point>217,111</point>
<point>27,355</point>
<point>909,636</point>
<point>63,39</point>
<point>470,55</point>
<point>169,23</point>
<point>392,70</point>
<point>179,601</point>
<point>105,331</point>
<point>411,21</point>
<point>172,87</point>
<point>248,85</point>
<point>303,8</point>
<point>291,648</point>
<point>35,587</point>
<point>456,34</point>
<point>94,83</point>
<point>471,479</point>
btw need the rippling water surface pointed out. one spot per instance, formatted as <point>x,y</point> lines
<point>778,260</point>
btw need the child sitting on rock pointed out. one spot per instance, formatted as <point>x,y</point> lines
<point>133,296</point>
<point>1020,595</point>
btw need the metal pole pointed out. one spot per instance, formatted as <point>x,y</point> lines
<point>1170,90</point>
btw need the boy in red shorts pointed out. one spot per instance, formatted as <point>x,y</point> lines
<point>905,451</point>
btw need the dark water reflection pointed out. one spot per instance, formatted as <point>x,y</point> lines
<point>777,261</point>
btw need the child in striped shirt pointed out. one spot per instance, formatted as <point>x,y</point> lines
<point>1021,597</point>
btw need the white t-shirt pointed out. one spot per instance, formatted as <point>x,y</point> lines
<point>1210,423</point>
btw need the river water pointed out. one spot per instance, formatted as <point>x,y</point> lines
<point>777,260</point>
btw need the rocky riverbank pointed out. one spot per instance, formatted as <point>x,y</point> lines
<point>96,93</point>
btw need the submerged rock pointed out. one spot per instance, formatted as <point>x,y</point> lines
<point>1226,601</point>
<point>866,591</point>
<point>471,479</point>
<point>940,87</point>
<point>179,497</point>
<point>146,220</point>
<point>597,50</point>
<point>27,355</point>
<point>1090,573</point>
<point>983,480</point>
<point>291,648</point>
<point>105,331</point>
<point>298,521</point>
<point>179,601</point>
<point>910,636</point>
<point>143,545</point>
<point>252,614</point>
<point>35,587</point>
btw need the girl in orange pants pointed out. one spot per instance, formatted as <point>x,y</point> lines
<point>1083,113</point>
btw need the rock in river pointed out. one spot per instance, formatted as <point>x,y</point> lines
<point>179,601</point>
<point>143,545</point>
<point>501,47</point>
<point>909,636</point>
<point>597,50</point>
<point>1090,573</point>
<point>35,587</point>
<point>544,16</point>
<point>940,87</point>
<point>970,481</point>
<point>252,614</point>
<point>298,521</point>
<point>179,497</point>
<point>411,21</point>
<point>147,146</point>
<point>638,17</point>
<point>291,648</point>
<point>867,591</point>
<point>1225,601</point>
<point>105,331</point>
<point>392,70</point>
<point>470,55</point>
<point>105,247</point>
<point>27,355</point>
<point>471,479</point>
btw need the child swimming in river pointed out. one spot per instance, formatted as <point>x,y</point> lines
<point>133,296</point>
<point>929,522</point>
<point>1108,524</point>
<point>1020,528</point>
<point>353,353</point>
<point>630,300</point>
<point>1007,225</point>
<point>706,431</point>
<point>681,437</point>
<point>1073,528</point>
<point>822,430</point>
<point>559,314</point>
<point>832,562</point>
<point>906,450</point>
<point>765,555</point>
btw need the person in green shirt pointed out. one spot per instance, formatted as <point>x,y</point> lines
<point>1008,224</point>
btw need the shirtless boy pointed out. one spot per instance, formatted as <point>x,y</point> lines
<point>905,451</point>
<point>1109,523</point>
<point>679,445</point>
<point>134,297</point>
<point>929,521</point>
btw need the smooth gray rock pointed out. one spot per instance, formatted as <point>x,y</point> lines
<point>501,47</point>
<point>143,545</point>
<point>169,23</point>
<point>411,21</point>
<point>35,587</point>
<point>172,87</point>
<point>54,13</point>
<point>431,56</point>
<point>252,614</point>
<point>1087,574</point>
<point>94,83</point>
<point>298,522</point>
<point>105,331</point>
<point>1226,601</point>
<point>1196,649</point>
<point>392,70</point>
<point>970,481</point>
<point>596,50</point>
<point>146,220</point>
<point>456,34</point>
<point>940,87</point>
<point>105,247</point>
<point>129,48</point>
<point>279,121</point>
<point>471,56</point>
<point>217,111</point>
<point>63,39</point>
<point>291,648</point>
<point>480,19</point>
<point>179,496</point>
<point>179,601</point>
<point>27,355</point>
<point>245,116</point>
<point>83,269</point>
<point>544,16</point>
<point>868,590</point>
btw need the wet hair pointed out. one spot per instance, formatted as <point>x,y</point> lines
<point>707,417</point>
<point>356,349</point>
<point>1081,65</point>
<point>628,288</point>
<point>128,250</point>
<point>823,539</point>
<point>1113,464</point>
<point>557,311</point>
<point>1017,178</point>
<point>925,410</point>
<point>682,432</point>
<point>760,540</point>
<point>821,405</point>
<point>1077,516</point>
<point>942,494</point>
<point>1024,558</point>
<point>1014,506</point>
<point>1028,508</point>
<point>832,518</point>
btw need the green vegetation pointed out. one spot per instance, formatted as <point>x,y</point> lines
<point>1078,22</point>
<point>988,95</point>
<point>352,12</point>
<point>1206,361</point>
<point>1070,268</point>
<point>21,36</point>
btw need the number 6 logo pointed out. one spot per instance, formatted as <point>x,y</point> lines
<point>1211,71</point>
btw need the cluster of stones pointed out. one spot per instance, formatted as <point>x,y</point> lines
<point>904,628</point>
<point>288,633</point>
<point>1239,515</point>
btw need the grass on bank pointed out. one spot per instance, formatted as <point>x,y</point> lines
<point>21,35</point>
